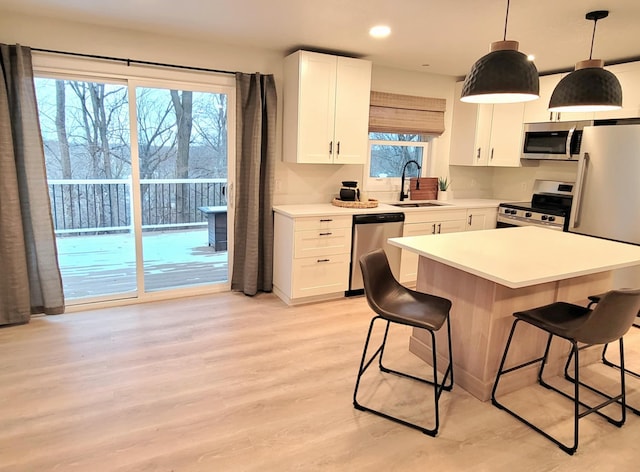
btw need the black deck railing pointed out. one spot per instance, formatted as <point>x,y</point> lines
<point>104,206</point>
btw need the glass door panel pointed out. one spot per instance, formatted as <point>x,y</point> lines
<point>182,154</point>
<point>85,132</point>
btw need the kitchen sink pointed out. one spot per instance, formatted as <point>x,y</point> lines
<point>416,204</point>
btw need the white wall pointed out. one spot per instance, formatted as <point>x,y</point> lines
<point>517,183</point>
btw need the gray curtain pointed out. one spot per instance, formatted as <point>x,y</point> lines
<point>30,281</point>
<point>255,160</point>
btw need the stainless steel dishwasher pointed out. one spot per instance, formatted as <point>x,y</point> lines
<point>370,232</point>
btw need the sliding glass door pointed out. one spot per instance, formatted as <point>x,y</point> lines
<point>137,178</point>
<point>182,155</point>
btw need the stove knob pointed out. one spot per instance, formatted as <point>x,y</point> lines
<point>513,212</point>
<point>528,214</point>
<point>544,218</point>
<point>552,218</point>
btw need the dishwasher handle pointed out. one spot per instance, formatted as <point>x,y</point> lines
<point>377,218</point>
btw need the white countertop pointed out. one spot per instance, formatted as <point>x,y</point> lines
<point>523,256</point>
<point>319,209</point>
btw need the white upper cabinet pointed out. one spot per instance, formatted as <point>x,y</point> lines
<point>629,77</point>
<point>537,111</point>
<point>486,135</point>
<point>326,108</point>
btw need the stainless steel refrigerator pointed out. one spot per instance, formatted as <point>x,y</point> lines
<point>607,197</point>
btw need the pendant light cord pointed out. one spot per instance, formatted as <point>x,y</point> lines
<point>593,37</point>
<point>506,20</point>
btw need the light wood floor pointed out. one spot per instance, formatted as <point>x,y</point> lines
<point>232,383</point>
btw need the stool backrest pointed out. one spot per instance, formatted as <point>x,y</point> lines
<point>379,282</point>
<point>611,318</point>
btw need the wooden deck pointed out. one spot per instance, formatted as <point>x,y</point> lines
<point>95,266</point>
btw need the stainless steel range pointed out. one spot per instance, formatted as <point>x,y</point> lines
<point>550,207</point>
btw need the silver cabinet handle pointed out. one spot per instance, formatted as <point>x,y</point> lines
<point>439,228</point>
<point>478,155</point>
<point>433,230</point>
<point>325,220</point>
<point>491,153</point>
<point>325,234</point>
<point>330,147</point>
<point>324,260</point>
<point>470,218</point>
<point>338,149</point>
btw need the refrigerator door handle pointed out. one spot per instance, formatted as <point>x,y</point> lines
<point>582,171</point>
<point>567,148</point>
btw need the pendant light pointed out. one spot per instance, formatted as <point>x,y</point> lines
<point>505,75</point>
<point>589,87</point>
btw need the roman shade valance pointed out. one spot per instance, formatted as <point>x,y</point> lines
<point>394,113</point>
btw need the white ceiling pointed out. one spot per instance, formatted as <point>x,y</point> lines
<point>448,35</point>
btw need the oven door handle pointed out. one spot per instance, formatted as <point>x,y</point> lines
<point>582,172</point>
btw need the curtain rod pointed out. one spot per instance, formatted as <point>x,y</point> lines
<point>134,61</point>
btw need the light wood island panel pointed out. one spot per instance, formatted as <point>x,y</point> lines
<point>489,275</point>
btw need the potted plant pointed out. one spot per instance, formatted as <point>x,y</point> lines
<point>443,187</point>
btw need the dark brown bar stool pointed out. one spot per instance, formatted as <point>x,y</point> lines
<point>593,300</point>
<point>607,322</point>
<point>394,303</point>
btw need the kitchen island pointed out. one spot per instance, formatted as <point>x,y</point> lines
<point>488,275</point>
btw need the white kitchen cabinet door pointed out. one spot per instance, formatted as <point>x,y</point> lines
<point>426,223</point>
<point>506,135</point>
<point>353,92</point>
<point>486,135</point>
<point>470,132</point>
<point>326,109</point>
<point>481,218</point>
<point>408,259</point>
<point>537,111</point>
<point>629,77</point>
<point>320,275</point>
<point>309,105</point>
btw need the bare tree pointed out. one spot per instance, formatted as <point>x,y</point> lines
<point>61,129</point>
<point>183,106</point>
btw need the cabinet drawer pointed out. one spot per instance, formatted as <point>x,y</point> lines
<point>320,275</point>
<point>418,229</point>
<point>434,216</point>
<point>322,242</point>
<point>323,222</point>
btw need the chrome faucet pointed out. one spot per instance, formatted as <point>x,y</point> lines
<point>404,169</point>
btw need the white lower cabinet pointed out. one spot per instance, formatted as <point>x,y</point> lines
<point>419,223</point>
<point>311,256</point>
<point>481,218</point>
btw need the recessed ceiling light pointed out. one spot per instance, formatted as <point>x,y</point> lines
<point>380,31</point>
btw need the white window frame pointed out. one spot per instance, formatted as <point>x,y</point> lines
<point>388,184</point>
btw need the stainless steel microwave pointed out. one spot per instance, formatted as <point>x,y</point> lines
<point>558,140</point>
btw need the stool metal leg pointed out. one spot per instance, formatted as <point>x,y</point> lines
<point>577,403</point>
<point>437,387</point>
<point>607,362</point>
<point>617,366</point>
<point>501,371</point>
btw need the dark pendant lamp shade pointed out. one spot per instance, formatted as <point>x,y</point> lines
<point>505,75</point>
<point>589,87</point>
